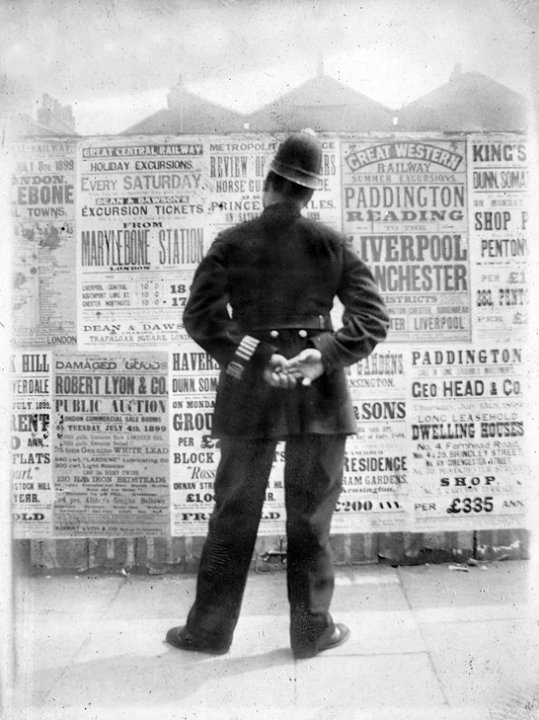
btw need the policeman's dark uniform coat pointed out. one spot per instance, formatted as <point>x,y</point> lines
<point>280,274</point>
<point>267,286</point>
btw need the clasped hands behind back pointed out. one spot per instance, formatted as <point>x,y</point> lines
<point>302,369</point>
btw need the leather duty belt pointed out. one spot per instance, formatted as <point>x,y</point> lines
<point>293,322</point>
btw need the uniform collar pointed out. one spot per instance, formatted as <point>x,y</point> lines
<point>282,209</point>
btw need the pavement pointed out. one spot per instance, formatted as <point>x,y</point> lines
<point>431,641</point>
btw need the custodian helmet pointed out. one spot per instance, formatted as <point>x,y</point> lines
<point>299,159</point>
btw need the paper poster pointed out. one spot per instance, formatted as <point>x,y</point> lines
<point>31,447</point>
<point>141,233</point>
<point>468,431</point>
<point>43,248</point>
<point>376,487</point>
<point>499,227</point>
<point>111,445</point>
<point>404,208</point>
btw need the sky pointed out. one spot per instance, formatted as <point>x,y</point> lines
<point>114,61</point>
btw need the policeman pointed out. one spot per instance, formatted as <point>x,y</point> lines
<point>260,305</point>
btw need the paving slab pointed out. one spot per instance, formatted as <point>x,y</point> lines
<point>480,628</point>
<point>426,642</point>
<point>128,664</point>
<point>482,662</point>
<point>368,681</point>
<point>435,586</point>
<point>53,618</point>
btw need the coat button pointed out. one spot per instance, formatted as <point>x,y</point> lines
<point>303,333</point>
<point>274,334</point>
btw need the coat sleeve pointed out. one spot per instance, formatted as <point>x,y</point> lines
<point>365,318</point>
<point>207,319</point>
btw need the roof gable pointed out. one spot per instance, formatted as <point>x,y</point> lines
<point>323,90</point>
<point>468,102</point>
<point>322,104</point>
<point>189,114</point>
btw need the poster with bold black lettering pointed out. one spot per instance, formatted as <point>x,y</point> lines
<point>110,434</point>
<point>499,182</point>
<point>376,490</point>
<point>141,232</point>
<point>467,435</point>
<point>404,207</point>
<point>238,165</point>
<point>31,469</point>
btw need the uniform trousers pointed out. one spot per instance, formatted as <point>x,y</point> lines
<point>313,480</point>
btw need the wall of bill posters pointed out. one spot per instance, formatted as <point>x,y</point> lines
<point>111,403</point>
